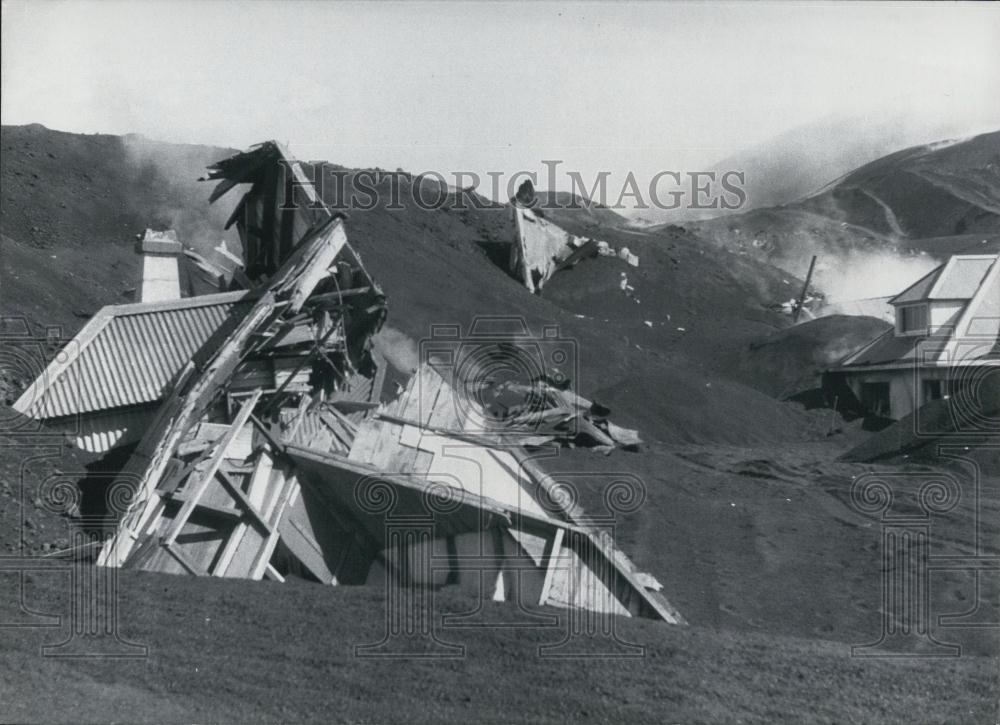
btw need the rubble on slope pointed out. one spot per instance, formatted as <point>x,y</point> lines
<point>542,248</point>
<point>266,449</point>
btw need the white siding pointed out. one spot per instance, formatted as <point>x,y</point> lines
<point>944,314</point>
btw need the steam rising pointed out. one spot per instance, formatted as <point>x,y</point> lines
<point>397,348</point>
<point>858,274</point>
<point>170,173</point>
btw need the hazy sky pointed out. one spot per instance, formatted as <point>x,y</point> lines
<point>476,85</point>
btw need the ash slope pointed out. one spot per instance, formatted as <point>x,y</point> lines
<point>233,651</point>
<point>747,520</point>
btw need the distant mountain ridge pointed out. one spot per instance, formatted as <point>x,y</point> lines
<point>919,204</point>
<point>804,160</point>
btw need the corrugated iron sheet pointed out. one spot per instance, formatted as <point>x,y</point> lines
<point>132,359</point>
<point>101,432</point>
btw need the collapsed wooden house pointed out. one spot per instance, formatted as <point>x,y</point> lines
<point>270,447</point>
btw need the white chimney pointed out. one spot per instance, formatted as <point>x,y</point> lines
<point>161,253</point>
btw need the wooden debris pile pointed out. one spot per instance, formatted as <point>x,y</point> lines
<point>501,524</point>
<point>544,411</point>
<point>206,488</point>
<point>273,452</point>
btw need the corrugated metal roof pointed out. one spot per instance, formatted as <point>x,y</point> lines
<point>126,355</point>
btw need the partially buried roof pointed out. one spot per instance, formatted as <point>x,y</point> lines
<point>127,355</point>
<point>895,349</point>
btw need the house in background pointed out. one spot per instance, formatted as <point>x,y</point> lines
<point>944,342</point>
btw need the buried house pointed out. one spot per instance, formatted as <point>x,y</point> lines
<point>945,342</point>
<point>265,444</point>
<point>540,248</point>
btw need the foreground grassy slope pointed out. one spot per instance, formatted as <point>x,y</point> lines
<point>237,651</point>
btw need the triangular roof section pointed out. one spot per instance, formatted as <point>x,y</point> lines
<point>920,289</point>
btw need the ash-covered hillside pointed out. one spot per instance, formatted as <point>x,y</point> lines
<point>906,211</point>
<point>663,352</point>
<point>747,519</point>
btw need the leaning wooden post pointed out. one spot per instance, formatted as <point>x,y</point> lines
<point>805,288</point>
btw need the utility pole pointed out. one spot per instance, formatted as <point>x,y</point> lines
<point>805,287</point>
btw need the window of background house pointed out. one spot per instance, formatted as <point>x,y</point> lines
<point>875,398</point>
<point>913,318</point>
<point>932,390</point>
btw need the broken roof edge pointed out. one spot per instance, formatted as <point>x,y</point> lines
<point>602,541</point>
<point>264,152</point>
<point>422,483</point>
<point>194,390</point>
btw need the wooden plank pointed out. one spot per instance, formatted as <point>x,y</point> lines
<point>228,512</point>
<point>319,257</point>
<point>353,406</point>
<point>340,436</point>
<point>263,557</point>
<point>306,456</point>
<point>339,295</point>
<point>241,498</point>
<point>182,559</point>
<point>184,407</point>
<point>301,181</point>
<point>265,431</point>
<point>300,416</point>
<point>192,447</point>
<point>296,278</point>
<point>297,534</point>
<point>550,569</point>
<point>210,433</point>
<point>364,441</point>
<point>386,444</point>
<point>206,477</point>
<point>259,481</point>
<point>349,424</point>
